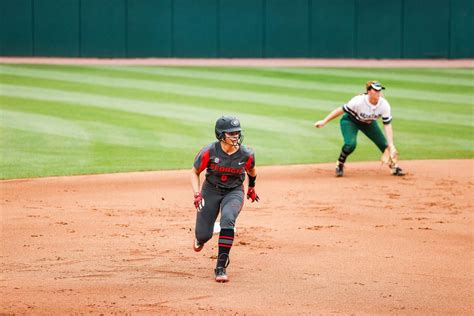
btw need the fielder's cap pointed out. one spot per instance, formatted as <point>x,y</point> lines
<point>372,84</point>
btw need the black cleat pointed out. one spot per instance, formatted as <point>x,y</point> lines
<point>221,276</point>
<point>339,170</point>
<point>397,171</point>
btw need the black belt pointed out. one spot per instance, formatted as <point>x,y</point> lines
<point>221,189</point>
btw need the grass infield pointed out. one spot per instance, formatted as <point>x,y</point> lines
<point>68,120</point>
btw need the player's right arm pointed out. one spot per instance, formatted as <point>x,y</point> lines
<point>200,163</point>
<point>337,112</point>
<point>195,181</point>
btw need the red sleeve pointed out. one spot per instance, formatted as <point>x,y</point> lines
<point>201,160</point>
<point>250,163</point>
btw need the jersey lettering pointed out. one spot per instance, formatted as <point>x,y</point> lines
<point>224,170</point>
<point>361,110</point>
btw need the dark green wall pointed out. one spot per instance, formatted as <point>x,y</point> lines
<point>461,28</point>
<point>16,27</point>
<point>382,39</point>
<point>332,28</point>
<point>58,35</point>
<point>286,28</point>
<point>433,20</point>
<point>241,28</point>
<point>149,30</point>
<point>195,28</point>
<point>238,28</point>
<point>103,28</point>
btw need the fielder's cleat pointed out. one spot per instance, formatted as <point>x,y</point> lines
<point>197,246</point>
<point>221,276</point>
<point>397,171</point>
<point>339,170</point>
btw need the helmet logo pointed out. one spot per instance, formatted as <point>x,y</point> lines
<point>235,123</point>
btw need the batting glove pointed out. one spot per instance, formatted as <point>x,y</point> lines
<point>251,194</point>
<point>198,201</point>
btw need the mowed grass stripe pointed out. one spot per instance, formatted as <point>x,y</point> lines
<point>175,111</point>
<point>102,132</point>
<point>131,137</point>
<point>464,86</point>
<point>198,87</point>
<point>419,79</point>
<point>50,128</point>
<point>150,117</point>
<point>403,112</point>
<point>387,75</point>
<point>179,89</point>
<point>315,104</point>
<point>32,155</point>
<point>85,113</point>
<point>189,112</point>
<point>214,84</point>
<point>450,73</point>
<point>415,109</point>
<point>397,87</point>
<point>159,97</point>
<point>112,128</point>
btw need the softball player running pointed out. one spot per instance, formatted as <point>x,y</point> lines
<point>361,113</point>
<point>226,161</point>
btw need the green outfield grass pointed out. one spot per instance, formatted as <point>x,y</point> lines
<point>67,120</point>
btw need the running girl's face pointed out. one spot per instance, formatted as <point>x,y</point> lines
<point>232,138</point>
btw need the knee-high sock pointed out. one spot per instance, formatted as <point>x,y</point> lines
<point>342,157</point>
<point>226,238</point>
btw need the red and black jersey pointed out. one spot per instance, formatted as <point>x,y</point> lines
<point>223,170</point>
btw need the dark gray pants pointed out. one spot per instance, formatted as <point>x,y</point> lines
<point>228,202</point>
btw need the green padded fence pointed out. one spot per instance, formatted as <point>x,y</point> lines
<point>238,28</point>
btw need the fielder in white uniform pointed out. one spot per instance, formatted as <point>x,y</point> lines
<point>361,113</point>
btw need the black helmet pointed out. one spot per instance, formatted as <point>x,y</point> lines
<point>227,124</point>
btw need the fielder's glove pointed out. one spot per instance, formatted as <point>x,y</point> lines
<point>251,194</point>
<point>390,156</point>
<point>198,201</point>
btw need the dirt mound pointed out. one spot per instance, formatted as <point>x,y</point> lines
<point>365,243</point>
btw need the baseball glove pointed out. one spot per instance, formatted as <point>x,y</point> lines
<point>390,156</point>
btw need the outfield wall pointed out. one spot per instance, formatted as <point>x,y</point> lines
<point>238,28</point>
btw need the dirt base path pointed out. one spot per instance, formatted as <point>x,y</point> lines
<point>367,243</point>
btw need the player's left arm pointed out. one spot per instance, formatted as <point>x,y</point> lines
<point>251,194</point>
<point>388,133</point>
<point>387,121</point>
<point>390,155</point>
<point>252,175</point>
<point>252,172</point>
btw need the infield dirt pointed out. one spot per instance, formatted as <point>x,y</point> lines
<point>367,243</point>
